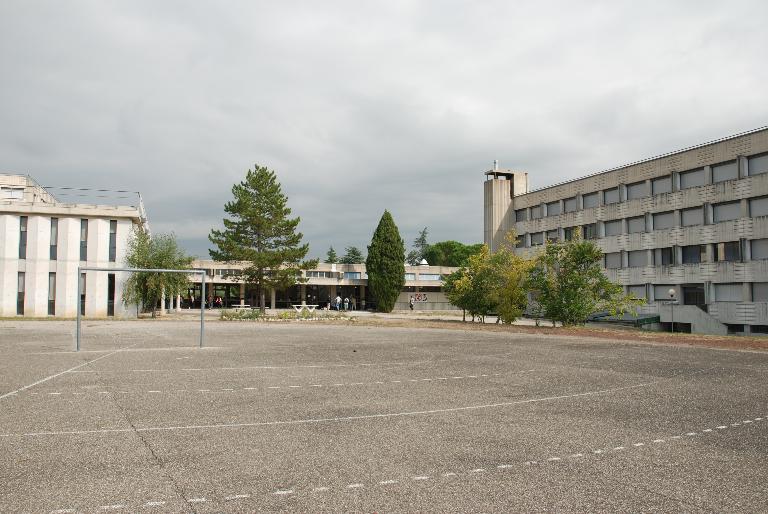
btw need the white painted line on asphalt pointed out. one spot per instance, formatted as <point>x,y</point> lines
<point>478,470</point>
<point>707,430</point>
<point>735,424</point>
<point>597,451</point>
<point>283,492</point>
<point>747,421</point>
<point>237,497</point>
<point>421,477</point>
<point>553,459</point>
<point>504,466</point>
<point>319,489</point>
<point>227,389</point>
<point>191,369</point>
<point>378,382</point>
<point>317,385</point>
<point>250,388</point>
<point>197,500</point>
<point>427,379</point>
<point>355,486</point>
<point>70,370</point>
<point>154,504</point>
<point>659,441</point>
<point>62,511</point>
<point>273,387</point>
<point>294,387</point>
<point>387,482</point>
<point>471,376</point>
<point>676,437</point>
<point>577,455</point>
<point>103,392</point>
<point>113,507</point>
<point>337,385</point>
<point>690,434</point>
<point>153,391</point>
<point>531,463</point>
<point>722,427</point>
<point>54,393</point>
<point>758,419</point>
<point>457,377</point>
<point>396,381</point>
<point>619,448</point>
<point>388,415</point>
<point>442,378</point>
<point>639,444</point>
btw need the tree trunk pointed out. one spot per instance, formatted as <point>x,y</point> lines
<point>262,301</point>
<point>464,315</point>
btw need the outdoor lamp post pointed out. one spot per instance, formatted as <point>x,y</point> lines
<point>672,294</point>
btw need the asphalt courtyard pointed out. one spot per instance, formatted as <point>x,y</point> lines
<point>316,417</point>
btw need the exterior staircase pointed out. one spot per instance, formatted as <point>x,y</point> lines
<point>701,322</point>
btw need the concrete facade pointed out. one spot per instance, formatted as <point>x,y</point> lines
<point>39,267</point>
<point>694,220</point>
<point>326,281</point>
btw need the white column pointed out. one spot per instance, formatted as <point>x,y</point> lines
<point>178,303</point>
<point>162,303</point>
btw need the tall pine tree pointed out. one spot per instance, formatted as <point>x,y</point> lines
<point>352,255</point>
<point>331,257</point>
<point>420,247</point>
<point>386,263</point>
<point>261,234</point>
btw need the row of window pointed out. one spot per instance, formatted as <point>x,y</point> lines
<point>729,292</point>
<point>756,165</point>
<point>731,251</point>
<point>356,275</point>
<point>53,252</point>
<point>693,216</point>
<point>21,291</point>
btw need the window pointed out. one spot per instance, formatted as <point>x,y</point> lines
<point>636,224</point>
<point>637,190</point>
<point>410,276</point>
<point>664,256</point>
<point>694,254</point>
<point>759,249</point>
<point>521,215</point>
<point>319,274</point>
<point>590,231</point>
<point>728,292</point>
<point>661,292</point>
<point>21,286</point>
<point>429,276</point>
<point>611,196</point>
<point>352,275</point>
<point>758,206</point>
<point>727,211</point>
<point>23,237</point>
<point>11,193</point>
<point>536,212</point>
<point>661,185</point>
<point>613,260</point>
<point>693,216</point>
<point>758,164</point>
<point>638,291</point>
<point>570,204</point>
<point>553,208</point>
<point>663,220</point>
<point>613,227</point>
<point>728,252</point>
<point>760,292</point>
<point>692,178</point>
<point>725,171</point>
<point>82,294</point>
<point>51,294</point>
<point>112,240</point>
<point>552,236</point>
<point>53,252</point>
<point>590,200</point>
<point>568,233</point>
<point>520,242</point>
<point>537,239</point>
<point>637,258</point>
<point>110,294</point>
<point>83,240</point>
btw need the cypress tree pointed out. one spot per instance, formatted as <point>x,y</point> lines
<point>386,263</point>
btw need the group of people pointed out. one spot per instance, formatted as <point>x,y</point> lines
<point>346,303</point>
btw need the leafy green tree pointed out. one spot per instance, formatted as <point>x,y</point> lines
<point>260,233</point>
<point>145,289</point>
<point>456,288</point>
<point>386,263</point>
<point>568,283</point>
<point>420,246</point>
<point>510,274</point>
<point>352,255</point>
<point>331,257</point>
<point>450,253</point>
<point>472,287</point>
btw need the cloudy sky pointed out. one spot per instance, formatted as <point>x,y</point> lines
<point>364,106</point>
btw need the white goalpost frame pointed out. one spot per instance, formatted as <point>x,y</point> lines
<point>80,270</point>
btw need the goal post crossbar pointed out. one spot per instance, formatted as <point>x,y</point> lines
<point>201,272</point>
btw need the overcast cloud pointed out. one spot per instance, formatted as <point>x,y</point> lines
<point>362,106</point>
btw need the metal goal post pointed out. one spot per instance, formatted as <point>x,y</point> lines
<point>80,270</point>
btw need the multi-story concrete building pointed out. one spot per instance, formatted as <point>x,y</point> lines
<point>42,243</point>
<point>322,284</point>
<point>694,222</point>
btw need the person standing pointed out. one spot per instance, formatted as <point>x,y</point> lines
<point>346,303</point>
<point>411,302</point>
<point>338,302</point>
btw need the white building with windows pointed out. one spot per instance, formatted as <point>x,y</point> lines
<point>694,221</point>
<point>42,243</point>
